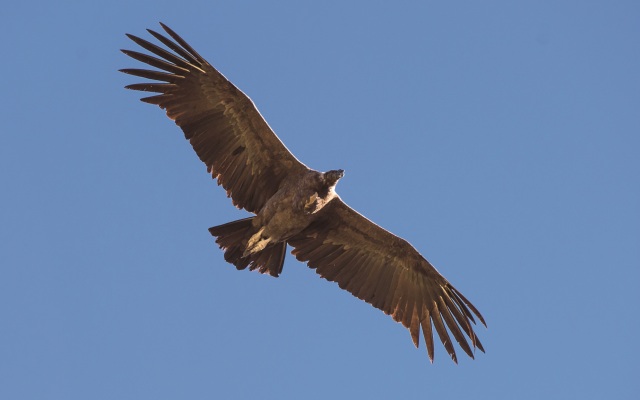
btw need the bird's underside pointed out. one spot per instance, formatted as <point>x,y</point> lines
<point>295,205</point>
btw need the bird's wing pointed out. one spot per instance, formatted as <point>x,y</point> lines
<point>222,123</point>
<point>387,272</point>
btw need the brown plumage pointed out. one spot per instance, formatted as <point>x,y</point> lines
<point>296,205</point>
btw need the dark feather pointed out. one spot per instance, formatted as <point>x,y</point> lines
<point>155,62</point>
<point>156,75</point>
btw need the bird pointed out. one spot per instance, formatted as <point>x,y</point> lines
<point>294,205</point>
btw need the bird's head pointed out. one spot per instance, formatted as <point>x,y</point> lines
<point>332,177</point>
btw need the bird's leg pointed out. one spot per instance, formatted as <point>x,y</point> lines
<point>256,243</point>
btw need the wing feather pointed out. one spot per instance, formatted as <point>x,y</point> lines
<point>389,306</point>
<point>387,272</point>
<point>454,328</point>
<point>436,317</point>
<point>217,118</point>
<point>160,52</point>
<point>371,281</point>
<point>399,299</point>
<point>155,62</point>
<point>382,288</point>
<point>176,48</point>
<point>410,304</point>
<point>156,75</point>
<point>427,332</point>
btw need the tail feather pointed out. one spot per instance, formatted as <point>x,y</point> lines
<point>233,238</point>
<point>270,260</point>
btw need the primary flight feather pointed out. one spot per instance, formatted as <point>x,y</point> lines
<point>294,204</point>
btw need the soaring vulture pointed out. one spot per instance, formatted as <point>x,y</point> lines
<point>294,204</point>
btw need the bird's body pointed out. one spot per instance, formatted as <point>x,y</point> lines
<point>288,212</point>
<point>295,205</point>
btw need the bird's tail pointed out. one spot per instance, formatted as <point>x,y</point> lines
<point>233,238</point>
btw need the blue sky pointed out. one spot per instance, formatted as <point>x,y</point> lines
<point>501,139</point>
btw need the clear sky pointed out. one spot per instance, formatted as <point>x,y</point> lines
<point>500,138</point>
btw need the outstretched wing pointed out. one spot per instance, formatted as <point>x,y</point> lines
<point>386,271</point>
<point>222,123</point>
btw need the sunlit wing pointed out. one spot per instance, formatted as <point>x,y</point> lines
<point>387,272</point>
<point>222,123</point>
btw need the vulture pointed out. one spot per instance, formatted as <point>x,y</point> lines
<point>294,205</point>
